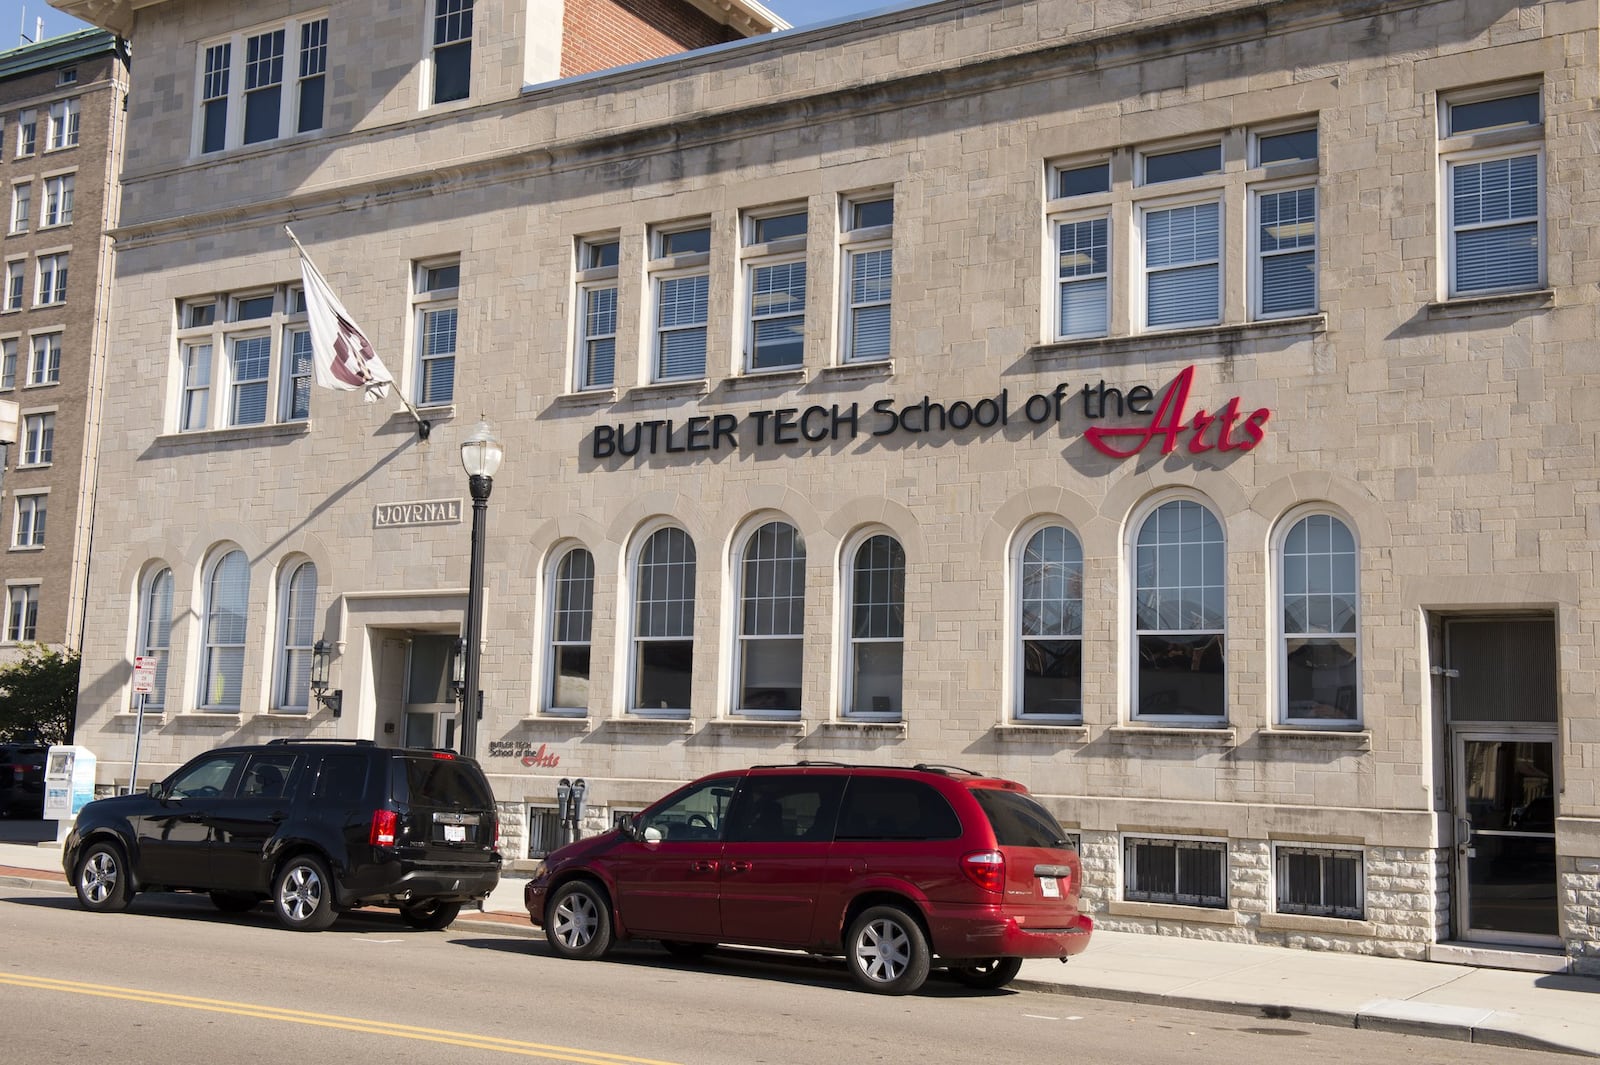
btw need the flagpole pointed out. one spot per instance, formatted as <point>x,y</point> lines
<point>424,427</point>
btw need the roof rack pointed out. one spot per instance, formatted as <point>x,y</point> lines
<point>939,767</point>
<point>806,764</point>
<point>312,739</point>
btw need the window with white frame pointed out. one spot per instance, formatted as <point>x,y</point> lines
<point>52,280</point>
<point>57,200</point>
<point>16,283</point>
<point>451,50</point>
<point>227,603</point>
<point>680,274</point>
<point>29,519</point>
<point>1180,872</point>
<point>775,277</point>
<point>1082,224</point>
<point>297,620</point>
<point>571,631</point>
<point>155,633</point>
<point>1182,246</point>
<point>436,307</point>
<point>867,248</point>
<point>1318,657</point>
<point>596,360</point>
<point>1317,881</point>
<point>243,80</point>
<point>1286,252</point>
<point>63,130</point>
<point>67,76</point>
<point>3,120</point>
<point>1179,607</point>
<point>8,363</point>
<point>22,613</point>
<point>21,206</point>
<point>38,439</point>
<point>875,643</point>
<point>244,359</point>
<point>27,132</point>
<point>44,368</point>
<point>663,624</point>
<point>772,621</point>
<point>1050,626</point>
<point>1492,152</point>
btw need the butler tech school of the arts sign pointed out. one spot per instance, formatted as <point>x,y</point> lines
<point>1164,418</point>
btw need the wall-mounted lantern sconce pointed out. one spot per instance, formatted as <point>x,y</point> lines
<point>331,700</point>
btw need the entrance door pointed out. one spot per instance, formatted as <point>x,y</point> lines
<point>1502,716</point>
<point>431,714</point>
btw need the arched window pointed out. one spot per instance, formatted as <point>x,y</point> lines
<point>155,634</point>
<point>1178,616</point>
<point>663,624</point>
<point>296,635</point>
<point>1319,623</point>
<point>772,620</point>
<point>1050,625</point>
<point>226,612</point>
<point>571,630</point>
<point>875,666</point>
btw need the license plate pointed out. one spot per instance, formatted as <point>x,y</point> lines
<point>1050,886</point>
<point>455,833</point>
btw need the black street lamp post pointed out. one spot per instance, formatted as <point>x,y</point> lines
<point>480,457</point>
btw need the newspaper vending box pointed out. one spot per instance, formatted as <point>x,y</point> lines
<point>68,781</point>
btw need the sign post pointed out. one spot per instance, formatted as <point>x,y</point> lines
<point>144,682</point>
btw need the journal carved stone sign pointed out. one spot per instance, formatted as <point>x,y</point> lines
<point>1142,417</point>
<point>417,512</point>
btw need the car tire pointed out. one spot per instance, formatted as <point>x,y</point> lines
<point>101,878</point>
<point>302,894</point>
<point>682,950</point>
<point>578,921</point>
<point>234,901</point>
<point>887,951</point>
<point>430,915</point>
<point>989,974</point>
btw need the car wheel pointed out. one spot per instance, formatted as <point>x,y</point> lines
<point>102,879</point>
<point>988,974</point>
<point>578,922</point>
<point>887,952</point>
<point>303,894</point>
<point>430,914</point>
<point>234,901</point>
<point>684,951</point>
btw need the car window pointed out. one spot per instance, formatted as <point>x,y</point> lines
<point>447,782</point>
<point>205,778</point>
<point>267,776</point>
<point>342,778</point>
<point>785,809</point>
<point>1019,820</point>
<point>695,814</point>
<point>895,808</point>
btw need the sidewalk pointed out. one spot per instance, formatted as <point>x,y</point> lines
<point>1493,1006</point>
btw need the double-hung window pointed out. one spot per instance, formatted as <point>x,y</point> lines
<point>775,276</point>
<point>680,273</point>
<point>8,363</point>
<point>16,283</point>
<point>262,84</point>
<point>596,361</point>
<point>38,439</point>
<point>21,206</point>
<point>249,360</point>
<point>867,246</point>
<point>295,402</point>
<point>1178,615</point>
<point>875,648</point>
<point>663,624</point>
<point>244,359</point>
<point>571,631</point>
<point>1182,244</point>
<point>296,636</point>
<point>52,280</point>
<point>1284,214</point>
<point>227,604</point>
<point>437,290</point>
<point>27,132</point>
<point>63,131</point>
<point>772,619</point>
<point>451,55</point>
<point>22,613</point>
<point>57,200</point>
<point>29,518</point>
<point>1081,221</point>
<point>1318,655</point>
<point>1050,626</point>
<point>1493,162</point>
<point>155,633</point>
<point>44,367</point>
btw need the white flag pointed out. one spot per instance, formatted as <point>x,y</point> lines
<point>340,353</point>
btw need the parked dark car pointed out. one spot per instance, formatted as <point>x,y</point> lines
<point>22,780</point>
<point>317,826</point>
<point>898,870</point>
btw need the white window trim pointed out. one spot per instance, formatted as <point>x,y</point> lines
<point>295,322</point>
<point>1256,258</point>
<point>220,335</point>
<point>847,642</point>
<point>1300,845</point>
<point>22,444</point>
<point>1277,673</point>
<point>203,673</point>
<point>426,82</point>
<point>16,270</point>
<point>1054,281</point>
<point>854,242</point>
<point>1448,161</point>
<point>15,340</point>
<point>35,496</point>
<point>71,132</point>
<point>627,631</point>
<point>736,635</point>
<point>32,590</point>
<point>60,263</point>
<point>1139,297</point>
<point>282,647</point>
<point>289,96</point>
<point>27,146</point>
<point>1015,639</point>
<point>753,257</point>
<point>550,642</point>
<point>423,303</point>
<point>663,268</point>
<point>589,280</point>
<point>67,184</point>
<point>59,336</point>
<point>21,193</point>
<point>1143,153</point>
<point>155,701</point>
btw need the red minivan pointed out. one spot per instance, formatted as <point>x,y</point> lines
<point>898,870</point>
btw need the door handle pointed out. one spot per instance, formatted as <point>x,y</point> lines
<point>194,819</point>
<point>738,866</point>
<point>704,865</point>
<point>1464,835</point>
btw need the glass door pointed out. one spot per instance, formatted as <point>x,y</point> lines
<point>431,714</point>
<point>1505,837</point>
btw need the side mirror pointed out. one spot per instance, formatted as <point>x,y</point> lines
<point>652,834</point>
<point>155,791</point>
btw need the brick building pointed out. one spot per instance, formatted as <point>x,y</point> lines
<point>61,126</point>
<point>1184,409</point>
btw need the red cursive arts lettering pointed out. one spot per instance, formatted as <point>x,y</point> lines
<point>543,758</point>
<point>1170,421</point>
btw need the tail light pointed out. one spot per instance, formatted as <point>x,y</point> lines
<point>383,828</point>
<point>987,869</point>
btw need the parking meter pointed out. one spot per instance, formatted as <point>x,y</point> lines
<point>564,807</point>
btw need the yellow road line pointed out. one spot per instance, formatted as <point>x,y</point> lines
<point>328,1020</point>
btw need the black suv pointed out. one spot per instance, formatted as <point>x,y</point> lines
<point>317,826</point>
<point>22,780</point>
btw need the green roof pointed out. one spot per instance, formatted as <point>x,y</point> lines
<point>56,52</point>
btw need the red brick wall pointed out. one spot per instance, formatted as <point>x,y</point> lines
<point>599,34</point>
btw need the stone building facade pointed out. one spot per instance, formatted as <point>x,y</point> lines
<point>60,152</point>
<point>1185,410</point>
